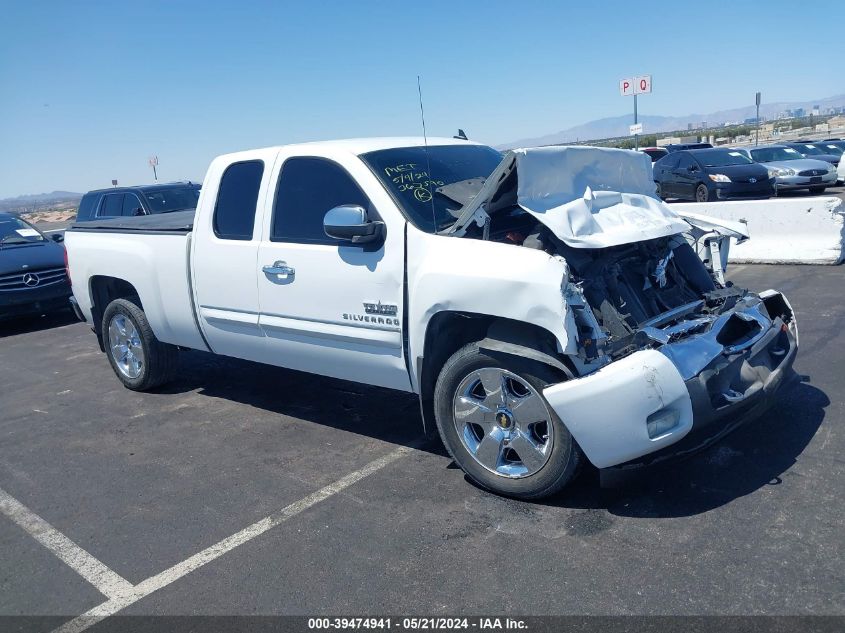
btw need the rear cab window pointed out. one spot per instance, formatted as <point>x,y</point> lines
<point>237,199</point>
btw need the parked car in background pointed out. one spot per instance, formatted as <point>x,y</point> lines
<point>711,174</point>
<point>679,147</point>
<point>33,279</point>
<point>811,150</point>
<point>655,153</point>
<point>834,147</point>
<point>141,200</point>
<point>790,169</point>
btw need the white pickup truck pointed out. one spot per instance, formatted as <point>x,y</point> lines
<point>545,305</point>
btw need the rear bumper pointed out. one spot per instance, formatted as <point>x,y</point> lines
<point>75,307</point>
<point>692,394</point>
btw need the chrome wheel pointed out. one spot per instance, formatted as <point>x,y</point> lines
<point>125,346</point>
<point>503,422</point>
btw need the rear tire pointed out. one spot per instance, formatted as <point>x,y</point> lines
<point>702,193</point>
<point>471,412</point>
<point>138,358</point>
<point>817,190</point>
<point>659,191</point>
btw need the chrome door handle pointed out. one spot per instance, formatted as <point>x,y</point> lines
<point>279,268</point>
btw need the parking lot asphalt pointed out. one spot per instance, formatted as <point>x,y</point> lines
<point>145,482</point>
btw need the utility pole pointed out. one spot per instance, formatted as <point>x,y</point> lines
<point>757,138</point>
<point>636,136</point>
<point>631,87</point>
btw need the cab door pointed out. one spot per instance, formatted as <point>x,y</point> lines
<point>328,306</point>
<point>686,175</point>
<point>224,253</point>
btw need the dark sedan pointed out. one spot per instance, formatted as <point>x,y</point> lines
<point>812,150</point>
<point>711,174</point>
<point>33,278</point>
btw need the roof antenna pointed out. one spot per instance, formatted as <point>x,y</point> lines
<point>427,161</point>
<point>461,135</point>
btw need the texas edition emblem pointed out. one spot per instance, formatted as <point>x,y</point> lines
<point>384,309</point>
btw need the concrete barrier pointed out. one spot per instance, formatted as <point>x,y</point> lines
<point>807,230</point>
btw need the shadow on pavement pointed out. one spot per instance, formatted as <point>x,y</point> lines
<point>36,323</point>
<point>756,455</point>
<point>383,414</point>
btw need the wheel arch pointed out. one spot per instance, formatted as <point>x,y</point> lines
<point>448,331</point>
<point>103,290</point>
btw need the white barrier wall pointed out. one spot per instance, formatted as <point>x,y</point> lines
<point>806,230</point>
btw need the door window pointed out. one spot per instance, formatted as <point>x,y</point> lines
<point>308,188</point>
<point>131,205</point>
<point>111,206</point>
<point>686,162</point>
<point>237,198</point>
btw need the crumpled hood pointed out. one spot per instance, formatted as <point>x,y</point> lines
<point>589,197</point>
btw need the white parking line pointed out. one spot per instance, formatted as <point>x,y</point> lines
<point>144,588</point>
<point>107,582</point>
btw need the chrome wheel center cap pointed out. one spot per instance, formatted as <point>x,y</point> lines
<point>504,420</point>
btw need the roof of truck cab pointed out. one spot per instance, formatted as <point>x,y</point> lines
<point>360,145</point>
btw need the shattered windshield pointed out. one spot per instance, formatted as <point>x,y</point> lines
<point>427,196</point>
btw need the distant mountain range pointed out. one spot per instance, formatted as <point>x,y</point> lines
<point>41,201</point>
<point>618,126</point>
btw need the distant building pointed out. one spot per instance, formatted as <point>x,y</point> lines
<point>836,122</point>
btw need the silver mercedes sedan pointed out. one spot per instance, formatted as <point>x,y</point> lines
<point>790,169</point>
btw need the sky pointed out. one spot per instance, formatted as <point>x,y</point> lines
<point>90,90</point>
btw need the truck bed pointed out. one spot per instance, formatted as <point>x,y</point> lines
<point>177,222</point>
<point>151,253</point>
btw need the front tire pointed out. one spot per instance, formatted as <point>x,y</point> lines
<point>498,427</point>
<point>702,193</point>
<point>138,358</point>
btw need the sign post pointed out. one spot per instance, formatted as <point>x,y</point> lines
<point>631,87</point>
<point>154,163</point>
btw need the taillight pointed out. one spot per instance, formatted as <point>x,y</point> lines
<point>67,267</point>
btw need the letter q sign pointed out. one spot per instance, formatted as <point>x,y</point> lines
<point>635,85</point>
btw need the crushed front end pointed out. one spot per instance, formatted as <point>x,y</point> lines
<point>669,359</point>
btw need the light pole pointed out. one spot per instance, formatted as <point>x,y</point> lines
<point>154,163</point>
<point>757,137</point>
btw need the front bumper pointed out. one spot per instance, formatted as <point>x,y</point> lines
<point>38,300</point>
<point>742,190</point>
<point>707,388</point>
<point>785,183</point>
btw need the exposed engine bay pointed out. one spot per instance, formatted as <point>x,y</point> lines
<point>632,290</point>
<point>635,280</point>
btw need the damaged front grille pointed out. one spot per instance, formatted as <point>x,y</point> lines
<point>648,293</point>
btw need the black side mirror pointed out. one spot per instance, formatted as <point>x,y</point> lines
<point>138,211</point>
<point>351,224</point>
<point>58,237</point>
